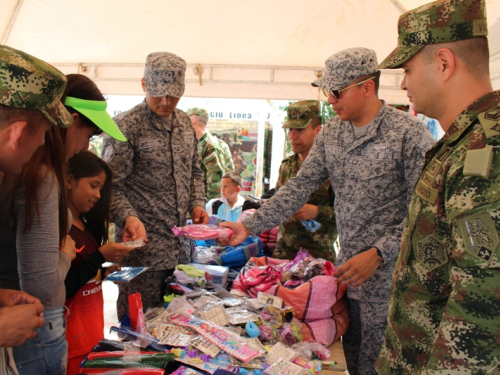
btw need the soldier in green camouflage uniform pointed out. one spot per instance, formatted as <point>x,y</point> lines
<point>215,156</point>
<point>444,307</point>
<point>304,123</point>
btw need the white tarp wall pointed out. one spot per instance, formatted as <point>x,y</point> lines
<point>245,49</point>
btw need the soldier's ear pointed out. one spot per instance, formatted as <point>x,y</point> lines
<point>143,83</point>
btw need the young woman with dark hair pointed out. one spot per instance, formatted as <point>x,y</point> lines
<point>34,224</point>
<point>89,195</point>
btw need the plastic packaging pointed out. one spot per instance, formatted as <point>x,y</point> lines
<point>311,225</point>
<point>203,232</point>
<point>126,274</point>
<point>307,350</point>
<point>137,321</point>
<point>135,243</point>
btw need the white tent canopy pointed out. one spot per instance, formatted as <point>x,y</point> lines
<point>269,49</point>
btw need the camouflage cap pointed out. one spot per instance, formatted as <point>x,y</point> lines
<point>345,66</point>
<point>164,74</point>
<point>197,112</point>
<point>300,114</point>
<point>30,83</point>
<point>437,22</point>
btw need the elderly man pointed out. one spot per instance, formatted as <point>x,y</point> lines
<point>373,155</point>
<point>156,178</point>
<point>444,303</point>
<point>30,104</point>
<point>303,125</point>
<point>215,156</point>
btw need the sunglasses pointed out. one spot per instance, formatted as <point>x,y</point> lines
<point>336,93</point>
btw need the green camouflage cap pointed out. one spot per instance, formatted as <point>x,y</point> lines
<point>437,22</point>
<point>342,68</point>
<point>30,83</point>
<point>300,114</point>
<point>164,75</point>
<point>197,112</point>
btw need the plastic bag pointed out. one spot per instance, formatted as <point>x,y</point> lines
<point>203,232</point>
<point>126,274</point>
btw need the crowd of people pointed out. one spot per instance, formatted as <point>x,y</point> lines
<point>417,220</point>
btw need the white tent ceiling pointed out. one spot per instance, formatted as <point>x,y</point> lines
<point>270,49</point>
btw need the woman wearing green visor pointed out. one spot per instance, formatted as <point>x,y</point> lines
<point>44,252</point>
<point>87,105</point>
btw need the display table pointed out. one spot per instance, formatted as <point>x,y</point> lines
<point>340,366</point>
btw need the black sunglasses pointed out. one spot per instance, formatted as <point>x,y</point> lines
<point>336,93</point>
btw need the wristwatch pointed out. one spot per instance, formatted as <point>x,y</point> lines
<point>379,253</point>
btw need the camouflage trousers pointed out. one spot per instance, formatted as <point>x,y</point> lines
<point>151,285</point>
<point>364,336</point>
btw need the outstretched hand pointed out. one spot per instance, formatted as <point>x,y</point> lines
<point>240,233</point>
<point>133,230</point>
<point>308,212</point>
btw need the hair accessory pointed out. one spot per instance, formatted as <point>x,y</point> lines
<point>95,110</point>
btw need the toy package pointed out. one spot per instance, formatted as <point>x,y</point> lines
<point>203,232</point>
<point>126,274</point>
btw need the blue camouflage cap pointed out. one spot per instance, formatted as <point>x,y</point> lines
<point>164,75</point>
<point>345,66</point>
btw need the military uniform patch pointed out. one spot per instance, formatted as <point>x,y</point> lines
<point>480,236</point>
<point>108,153</point>
<point>490,121</point>
<point>431,252</point>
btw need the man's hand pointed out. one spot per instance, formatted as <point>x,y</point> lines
<point>360,267</point>
<point>134,229</point>
<point>18,323</point>
<point>9,297</point>
<point>199,215</point>
<point>308,212</point>
<point>240,233</point>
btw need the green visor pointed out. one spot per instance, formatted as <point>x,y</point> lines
<point>95,111</point>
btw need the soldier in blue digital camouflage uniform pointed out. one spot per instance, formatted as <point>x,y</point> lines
<point>215,155</point>
<point>157,180</point>
<point>444,307</point>
<point>373,155</point>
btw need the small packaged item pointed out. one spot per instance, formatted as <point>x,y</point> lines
<point>126,274</point>
<point>242,317</point>
<point>311,225</point>
<point>282,367</point>
<point>204,346</point>
<point>135,243</point>
<point>269,299</point>
<point>203,232</point>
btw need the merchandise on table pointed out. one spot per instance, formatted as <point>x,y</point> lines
<point>221,331</point>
